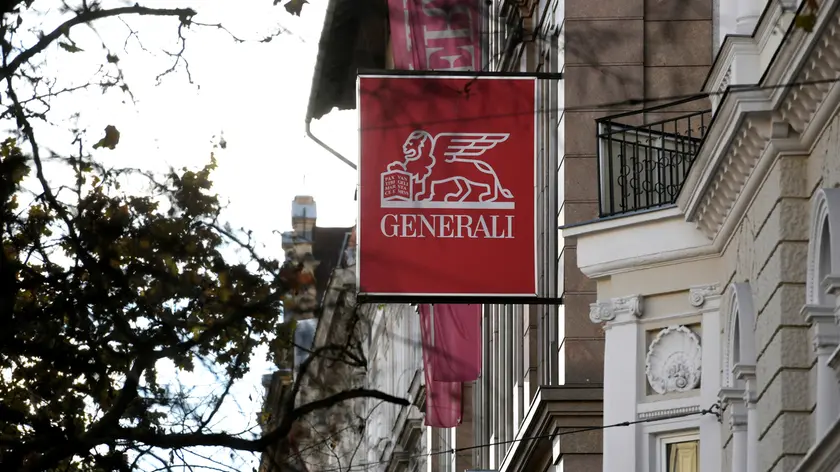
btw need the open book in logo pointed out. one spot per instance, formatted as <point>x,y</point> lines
<point>444,171</point>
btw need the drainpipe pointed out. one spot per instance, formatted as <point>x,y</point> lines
<point>324,145</point>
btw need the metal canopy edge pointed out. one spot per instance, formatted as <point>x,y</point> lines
<point>460,300</point>
<point>457,74</point>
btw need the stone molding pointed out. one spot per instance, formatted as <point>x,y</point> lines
<point>791,125</point>
<point>682,410</point>
<point>609,310</point>
<point>825,335</point>
<point>733,400</point>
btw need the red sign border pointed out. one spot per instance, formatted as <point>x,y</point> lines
<point>468,76</point>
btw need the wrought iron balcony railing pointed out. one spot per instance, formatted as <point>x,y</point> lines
<point>644,166</point>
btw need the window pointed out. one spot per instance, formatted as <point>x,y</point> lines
<point>823,247</point>
<point>682,456</point>
<point>679,453</point>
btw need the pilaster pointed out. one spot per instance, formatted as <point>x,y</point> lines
<point>825,337</point>
<point>622,376</point>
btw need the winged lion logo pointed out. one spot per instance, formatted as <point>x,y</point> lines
<point>445,171</point>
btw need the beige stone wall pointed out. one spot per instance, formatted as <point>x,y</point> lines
<point>770,250</point>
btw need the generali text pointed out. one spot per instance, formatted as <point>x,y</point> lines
<point>447,226</point>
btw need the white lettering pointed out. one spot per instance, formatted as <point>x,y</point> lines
<point>446,230</point>
<point>408,225</point>
<point>482,226</point>
<point>464,223</point>
<point>449,43</point>
<point>394,227</point>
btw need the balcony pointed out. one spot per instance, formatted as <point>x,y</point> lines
<point>643,166</point>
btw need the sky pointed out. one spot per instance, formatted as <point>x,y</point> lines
<point>254,94</point>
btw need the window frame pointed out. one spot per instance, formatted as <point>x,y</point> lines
<point>662,442</point>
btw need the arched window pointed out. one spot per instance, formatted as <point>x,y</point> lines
<point>739,378</point>
<point>823,264</point>
<point>823,245</point>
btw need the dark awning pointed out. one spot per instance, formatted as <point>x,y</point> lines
<point>354,37</point>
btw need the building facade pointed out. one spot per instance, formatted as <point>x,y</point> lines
<point>543,368</point>
<point>714,258</point>
<point>315,314</point>
<point>356,36</point>
<point>395,437</point>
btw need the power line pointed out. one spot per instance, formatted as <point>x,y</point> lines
<point>628,102</point>
<point>712,410</point>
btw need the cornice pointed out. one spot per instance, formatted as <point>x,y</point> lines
<point>802,102</point>
<point>616,309</point>
<point>734,169</point>
<point>750,133</point>
<point>693,254</point>
<point>720,74</point>
<point>769,25</point>
<point>729,126</point>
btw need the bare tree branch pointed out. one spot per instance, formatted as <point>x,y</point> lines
<point>87,16</point>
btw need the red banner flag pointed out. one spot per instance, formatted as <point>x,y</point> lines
<point>456,342</point>
<point>443,35</point>
<point>443,399</point>
<point>447,186</point>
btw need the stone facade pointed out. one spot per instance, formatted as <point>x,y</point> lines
<point>317,312</point>
<point>545,364</point>
<point>743,264</point>
<point>395,436</point>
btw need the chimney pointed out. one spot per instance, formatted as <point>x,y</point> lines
<point>304,214</point>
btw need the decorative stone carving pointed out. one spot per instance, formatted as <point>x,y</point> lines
<point>601,312</point>
<point>697,295</point>
<point>798,108</point>
<point>608,310</point>
<point>673,362</point>
<point>631,305</point>
<point>721,87</point>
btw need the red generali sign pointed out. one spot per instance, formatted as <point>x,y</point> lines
<point>436,34</point>
<point>447,186</point>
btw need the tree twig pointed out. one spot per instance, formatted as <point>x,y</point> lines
<point>184,14</point>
